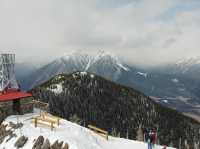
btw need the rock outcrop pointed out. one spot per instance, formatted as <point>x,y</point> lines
<point>21,142</point>
<point>66,146</point>
<point>38,143</point>
<point>46,144</point>
<point>6,132</point>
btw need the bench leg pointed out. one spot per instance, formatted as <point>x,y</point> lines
<point>51,126</point>
<point>35,121</point>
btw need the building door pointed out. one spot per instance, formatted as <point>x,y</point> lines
<point>16,106</point>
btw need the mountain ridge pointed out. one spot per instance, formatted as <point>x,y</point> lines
<point>165,83</point>
<point>107,105</point>
<point>79,62</point>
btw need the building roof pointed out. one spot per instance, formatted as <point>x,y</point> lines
<point>13,95</point>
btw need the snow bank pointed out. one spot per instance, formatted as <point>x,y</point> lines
<point>76,136</point>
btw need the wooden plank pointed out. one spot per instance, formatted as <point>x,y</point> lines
<point>45,123</point>
<point>45,115</point>
<point>43,119</point>
<point>97,129</point>
<point>56,117</point>
<point>40,120</point>
<point>56,120</point>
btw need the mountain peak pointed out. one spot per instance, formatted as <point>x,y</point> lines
<point>189,61</point>
<point>87,60</point>
<point>102,63</point>
<point>188,64</point>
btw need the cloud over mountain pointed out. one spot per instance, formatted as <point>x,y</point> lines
<point>157,31</point>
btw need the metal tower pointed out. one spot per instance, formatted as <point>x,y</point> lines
<point>7,72</point>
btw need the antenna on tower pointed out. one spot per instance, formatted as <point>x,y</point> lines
<point>7,72</point>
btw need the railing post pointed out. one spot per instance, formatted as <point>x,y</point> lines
<point>51,126</point>
<point>35,119</point>
<point>58,121</point>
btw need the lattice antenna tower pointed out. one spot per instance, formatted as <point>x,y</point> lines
<point>7,72</point>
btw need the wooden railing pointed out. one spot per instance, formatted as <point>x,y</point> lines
<point>99,131</point>
<point>41,105</point>
<point>46,119</point>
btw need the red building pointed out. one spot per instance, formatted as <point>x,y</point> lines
<point>14,101</point>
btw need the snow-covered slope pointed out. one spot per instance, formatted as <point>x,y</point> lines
<point>76,136</point>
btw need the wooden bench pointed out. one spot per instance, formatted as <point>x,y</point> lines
<point>99,131</point>
<point>39,120</point>
<point>46,116</point>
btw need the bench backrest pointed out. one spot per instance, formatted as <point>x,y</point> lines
<point>43,119</point>
<point>97,129</point>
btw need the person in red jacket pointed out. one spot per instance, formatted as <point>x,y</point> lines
<point>154,137</point>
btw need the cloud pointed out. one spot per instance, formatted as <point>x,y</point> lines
<point>141,31</point>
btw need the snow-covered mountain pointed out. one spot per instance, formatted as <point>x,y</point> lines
<point>186,74</point>
<point>169,82</point>
<point>188,67</point>
<point>188,63</point>
<point>107,65</point>
<point>103,63</point>
<point>75,136</point>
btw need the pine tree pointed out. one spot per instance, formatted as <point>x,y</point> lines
<point>114,133</point>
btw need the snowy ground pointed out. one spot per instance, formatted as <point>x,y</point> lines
<point>76,136</point>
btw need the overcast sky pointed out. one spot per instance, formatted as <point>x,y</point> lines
<point>145,31</point>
